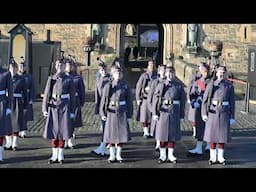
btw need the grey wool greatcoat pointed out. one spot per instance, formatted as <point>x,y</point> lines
<point>100,83</point>
<point>19,103</point>
<point>6,86</point>
<point>29,113</point>
<point>80,99</point>
<point>31,95</point>
<point>196,95</point>
<point>168,125</point>
<point>191,111</point>
<point>119,108</point>
<point>58,123</point>
<point>154,84</point>
<point>142,88</point>
<point>217,128</point>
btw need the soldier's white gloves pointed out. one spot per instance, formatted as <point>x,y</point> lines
<point>30,102</point>
<point>129,121</point>
<point>196,105</point>
<point>205,118</point>
<point>188,101</point>
<point>138,102</point>
<point>155,117</point>
<point>8,111</point>
<point>232,121</point>
<point>45,114</point>
<point>72,115</point>
<point>104,118</point>
<point>147,88</point>
<point>101,127</point>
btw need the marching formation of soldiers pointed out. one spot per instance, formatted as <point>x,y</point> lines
<point>160,100</point>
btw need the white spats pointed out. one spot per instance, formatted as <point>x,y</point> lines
<point>60,154</point>
<point>146,131</point>
<point>162,154</point>
<point>221,155</point>
<point>157,144</point>
<point>70,143</point>
<point>212,156</point>
<point>171,157</point>
<point>118,153</point>
<point>54,156</point>
<point>112,154</point>
<point>8,142</point>
<point>194,131</point>
<point>14,142</point>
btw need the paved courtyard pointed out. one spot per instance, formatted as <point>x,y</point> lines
<point>34,151</point>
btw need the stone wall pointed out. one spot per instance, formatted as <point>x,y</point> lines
<point>70,35</point>
<point>236,39</point>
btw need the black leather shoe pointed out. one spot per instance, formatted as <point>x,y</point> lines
<point>211,162</point>
<point>169,161</point>
<point>160,161</point>
<point>61,162</point>
<point>7,148</point>
<point>50,161</point>
<point>111,161</point>
<point>222,163</point>
<point>147,136</point>
<point>14,148</point>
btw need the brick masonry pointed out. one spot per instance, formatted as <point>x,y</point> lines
<point>236,39</point>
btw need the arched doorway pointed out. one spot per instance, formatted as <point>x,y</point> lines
<point>165,47</point>
<point>140,43</point>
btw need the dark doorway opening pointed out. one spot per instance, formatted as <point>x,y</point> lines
<point>143,42</point>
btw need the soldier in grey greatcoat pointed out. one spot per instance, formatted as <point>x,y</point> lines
<point>71,70</point>
<point>101,81</point>
<point>19,103</point>
<point>219,114</point>
<point>196,96</point>
<point>191,110</point>
<point>6,94</point>
<point>116,108</point>
<point>28,113</point>
<point>155,82</point>
<point>59,108</point>
<point>142,89</point>
<point>168,109</point>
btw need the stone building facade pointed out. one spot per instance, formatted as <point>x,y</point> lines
<point>235,37</point>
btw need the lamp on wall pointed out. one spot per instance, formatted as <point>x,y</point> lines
<point>88,48</point>
<point>215,49</point>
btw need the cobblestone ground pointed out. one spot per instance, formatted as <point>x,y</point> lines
<point>245,122</point>
<point>34,151</point>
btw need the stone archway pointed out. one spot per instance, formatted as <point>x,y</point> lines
<point>166,47</point>
<point>167,43</point>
